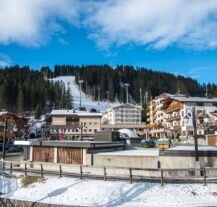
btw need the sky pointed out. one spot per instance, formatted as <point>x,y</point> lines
<point>177,36</point>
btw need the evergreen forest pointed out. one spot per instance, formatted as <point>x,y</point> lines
<point>23,89</point>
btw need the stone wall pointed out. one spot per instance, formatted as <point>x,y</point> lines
<point>5,202</point>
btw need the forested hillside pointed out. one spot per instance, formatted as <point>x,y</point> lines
<point>105,82</point>
<point>23,89</point>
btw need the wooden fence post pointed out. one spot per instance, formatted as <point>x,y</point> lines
<point>81,172</point>
<point>11,168</point>
<point>42,171</point>
<point>105,173</point>
<point>131,176</point>
<point>25,169</point>
<point>204,177</point>
<point>161,177</point>
<point>60,171</point>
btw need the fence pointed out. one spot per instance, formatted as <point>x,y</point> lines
<point>162,176</point>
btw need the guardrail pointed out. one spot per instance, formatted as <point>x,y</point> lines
<point>114,173</point>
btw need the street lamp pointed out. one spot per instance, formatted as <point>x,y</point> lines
<point>206,119</point>
<point>126,87</point>
<point>190,114</point>
<point>15,131</point>
<point>4,138</point>
<point>80,82</point>
<point>81,127</point>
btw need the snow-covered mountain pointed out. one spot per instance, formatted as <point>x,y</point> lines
<point>86,101</point>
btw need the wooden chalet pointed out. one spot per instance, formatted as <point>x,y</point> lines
<point>11,120</point>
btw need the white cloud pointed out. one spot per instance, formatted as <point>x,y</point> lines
<point>32,22</point>
<point>5,60</point>
<point>151,23</point>
<point>154,23</point>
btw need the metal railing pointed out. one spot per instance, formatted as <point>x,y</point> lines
<point>105,173</point>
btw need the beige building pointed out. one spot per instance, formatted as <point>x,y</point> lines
<point>75,124</point>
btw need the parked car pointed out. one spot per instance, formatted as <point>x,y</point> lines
<point>149,144</point>
<point>14,148</point>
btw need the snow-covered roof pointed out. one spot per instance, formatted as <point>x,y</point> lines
<point>127,133</point>
<point>192,148</point>
<point>74,112</point>
<point>194,99</point>
<point>145,152</point>
<point>125,105</point>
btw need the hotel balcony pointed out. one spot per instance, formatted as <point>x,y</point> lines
<point>173,118</point>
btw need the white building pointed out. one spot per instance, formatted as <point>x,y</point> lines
<point>123,114</point>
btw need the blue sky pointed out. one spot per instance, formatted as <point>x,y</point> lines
<point>178,36</point>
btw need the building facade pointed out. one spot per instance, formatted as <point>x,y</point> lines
<point>74,125</point>
<point>123,114</point>
<point>156,117</point>
<point>177,108</point>
<point>169,116</point>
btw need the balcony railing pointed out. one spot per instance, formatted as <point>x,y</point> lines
<point>173,118</point>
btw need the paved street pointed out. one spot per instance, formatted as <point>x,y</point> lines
<point>17,156</point>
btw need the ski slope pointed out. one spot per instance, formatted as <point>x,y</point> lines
<point>86,101</point>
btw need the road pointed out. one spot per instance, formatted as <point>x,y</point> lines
<point>16,156</point>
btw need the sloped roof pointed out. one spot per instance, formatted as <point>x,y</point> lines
<point>74,112</point>
<point>126,105</point>
<point>12,117</point>
<point>194,99</point>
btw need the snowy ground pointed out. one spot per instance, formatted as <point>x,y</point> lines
<point>145,152</point>
<point>192,148</point>
<point>73,191</point>
<point>86,101</point>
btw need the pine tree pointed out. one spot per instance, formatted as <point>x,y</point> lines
<point>2,96</point>
<point>20,99</point>
<point>68,99</point>
<point>37,112</point>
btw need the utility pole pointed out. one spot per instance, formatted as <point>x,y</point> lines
<point>107,95</point>
<point>86,87</point>
<point>98,93</point>
<point>94,92</point>
<point>4,139</point>
<point>140,92</point>
<point>126,87</point>
<point>80,82</point>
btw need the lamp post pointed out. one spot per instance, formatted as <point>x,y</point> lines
<point>4,138</point>
<point>126,86</point>
<point>186,119</point>
<point>80,82</point>
<point>15,131</point>
<point>81,127</point>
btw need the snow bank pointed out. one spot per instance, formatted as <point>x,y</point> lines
<point>71,191</point>
<point>192,148</point>
<point>145,152</point>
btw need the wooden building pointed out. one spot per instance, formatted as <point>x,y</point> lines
<point>14,124</point>
<point>66,151</point>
